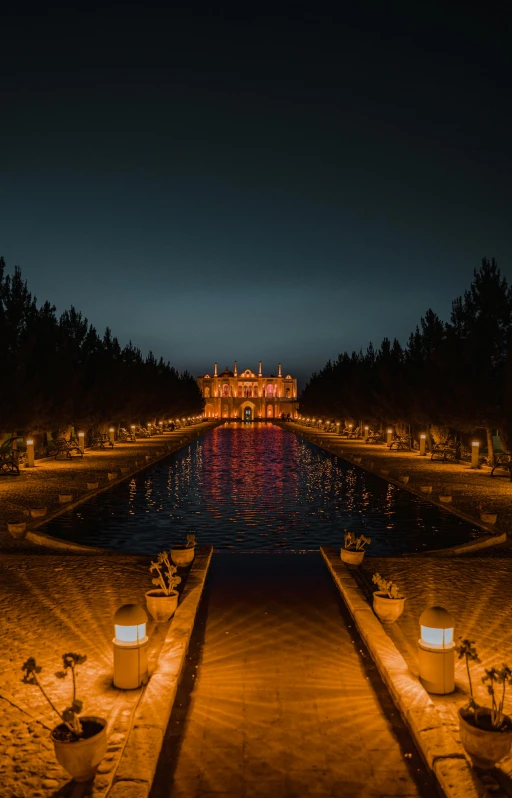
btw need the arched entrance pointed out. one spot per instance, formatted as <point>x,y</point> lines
<point>248,411</point>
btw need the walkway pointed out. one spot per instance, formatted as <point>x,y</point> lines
<point>280,697</point>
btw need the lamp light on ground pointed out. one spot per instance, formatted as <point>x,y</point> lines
<point>475,452</point>
<point>130,647</point>
<point>389,435</point>
<point>30,454</point>
<point>111,434</point>
<point>366,434</point>
<point>436,655</point>
<point>81,441</point>
<point>423,444</point>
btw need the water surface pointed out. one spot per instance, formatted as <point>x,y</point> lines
<point>258,488</point>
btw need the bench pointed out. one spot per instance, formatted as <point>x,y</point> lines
<point>446,450</point>
<point>63,446</point>
<point>375,437</point>
<point>502,460</point>
<point>101,439</point>
<point>400,442</point>
<point>126,435</point>
<point>9,458</point>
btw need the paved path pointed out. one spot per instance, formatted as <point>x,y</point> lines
<point>280,698</point>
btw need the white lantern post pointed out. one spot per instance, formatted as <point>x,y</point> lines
<point>423,444</point>
<point>111,434</point>
<point>366,430</point>
<point>81,441</point>
<point>130,647</point>
<point>475,451</point>
<point>436,655</point>
<point>30,454</point>
<point>389,434</point>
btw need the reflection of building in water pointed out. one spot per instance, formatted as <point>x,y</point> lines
<point>247,395</point>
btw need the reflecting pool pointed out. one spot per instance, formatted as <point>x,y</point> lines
<point>258,488</point>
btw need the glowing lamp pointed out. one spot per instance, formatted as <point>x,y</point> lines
<point>81,441</point>
<point>475,451</point>
<point>436,651</point>
<point>389,434</point>
<point>111,434</point>
<point>130,647</point>
<point>423,443</point>
<point>161,423</point>
<point>366,430</point>
<point>30,454</point>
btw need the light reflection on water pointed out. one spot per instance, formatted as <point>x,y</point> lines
<point>257,487</point>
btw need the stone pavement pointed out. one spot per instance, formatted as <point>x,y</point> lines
<point>280,698</point>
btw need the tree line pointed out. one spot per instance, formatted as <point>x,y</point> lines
<point>58,372</point>
<point>454,375</point>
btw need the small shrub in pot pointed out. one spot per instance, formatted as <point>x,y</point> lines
<point>388,602</point>
<point>163,600</point>
<point>353,548</point>
<point>183,554</point>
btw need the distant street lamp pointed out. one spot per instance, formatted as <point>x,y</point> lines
<point>436,657</point>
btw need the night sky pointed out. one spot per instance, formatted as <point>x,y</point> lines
<point>242,184</point>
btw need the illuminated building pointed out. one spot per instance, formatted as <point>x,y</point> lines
<point>247,396</point>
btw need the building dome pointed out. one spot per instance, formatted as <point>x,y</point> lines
<point>226,373</point>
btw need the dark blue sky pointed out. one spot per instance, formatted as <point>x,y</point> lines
<point>220,185</point>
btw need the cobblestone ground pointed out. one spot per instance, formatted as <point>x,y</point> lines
<point>40,486</point>
<point>478,592</point>
<point>468,487</point>
<point>50,605</point>
<point>281,699</point>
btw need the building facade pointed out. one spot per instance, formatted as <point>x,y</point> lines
<point>247,396</point>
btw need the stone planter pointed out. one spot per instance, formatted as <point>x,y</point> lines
<point>485,747</point>
<point>17,530</point>
<point>38,512</point>
<point>488,518</point>
<point>384,472</point>
<point>160,606</point>
<point>352,556</point>
<point>125,469</point>
<point>80,758</point>
<point>426,488</point>
<point>387,609</point>
<point>111,475</point>
<point>404,479</point>
<point>357,459</point>
<point>445,499</point>
<point>92,485</point>
<point>65,498</point>
<point>182,556</point>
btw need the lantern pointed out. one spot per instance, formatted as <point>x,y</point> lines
<point>475,450</point>
<point>130,647</point>
<point>366,430</point>
<point>389,434</point>
<point>111,434</point>
<point>436,655</point>
<point>81,441</point>
<point>423,443</point>
<point>30,454</point>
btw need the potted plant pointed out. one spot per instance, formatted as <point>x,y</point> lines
<point>388,602</point>
<point>163,600</point>
<point>445,497</point>
<point>486,516</point>
<point>80,743</point>
<point>16,528</point>
<point>353,548</point>
<point>183,554</point>
<point>485,732</point>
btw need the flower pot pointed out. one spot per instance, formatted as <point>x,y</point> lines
<point>445,499</point>
<point>484,746</point>
<point>426,488</point>
<point>80,758</point>
<point>182,556</point>
<point>352,556</point>
<point>92,485</point>
<point>161,606</point>
<point>384,471</point>
<point>38,512</point>
<point>387,609</point>
<point>112,475</point>
<point>357,459</point>
<point>488,518</point>
<point>64,498</point>
<point>17,530</point>
<point>405,479</point>
<point>125,469</point>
